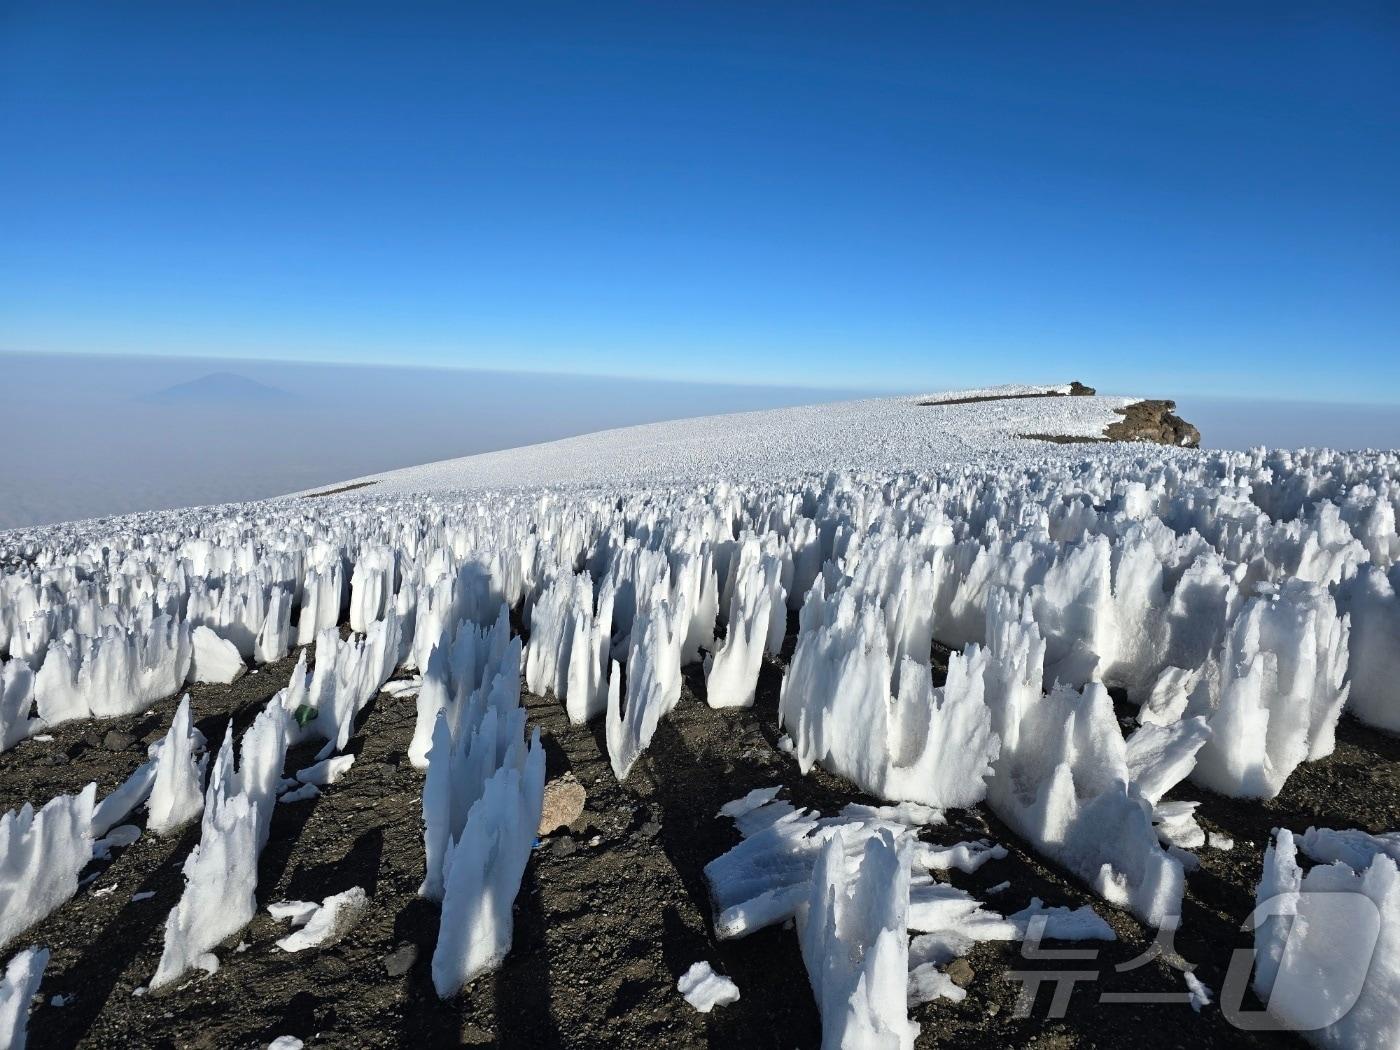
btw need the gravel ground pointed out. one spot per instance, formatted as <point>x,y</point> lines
<point>612,910</point>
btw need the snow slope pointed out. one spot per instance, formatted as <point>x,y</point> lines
<point>874,434</point>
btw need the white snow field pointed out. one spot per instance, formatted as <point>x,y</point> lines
<point>878,434</point>
<point>1241,602</point>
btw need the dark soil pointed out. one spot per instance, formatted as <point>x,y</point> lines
<point>1065,439</point>
<point>612,911</point>
<point>339,491</point>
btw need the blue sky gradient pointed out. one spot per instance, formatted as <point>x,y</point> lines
<point>1181,199</point>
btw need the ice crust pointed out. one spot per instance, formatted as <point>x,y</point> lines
<point>18,986</point>
<point>855,944</point>
<point>482,871</point>
<point>177,788</point>
<point>221,872</point>
<point>41,854</point>
<point>112,672</point>
<point>1356,849</point>
<point>1328,945</point>
<point>570,638</point>
<point>16,702</point>
<point>482,796</point>
<point>757,621</point>
<point>213,659</point>
<point>875,927</point>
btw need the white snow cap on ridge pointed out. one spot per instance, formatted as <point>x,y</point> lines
<point>875,434</point>
<point>1005,390</point>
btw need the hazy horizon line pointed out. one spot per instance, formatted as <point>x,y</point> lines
<point>1149,389</point>
<point>443,367</point>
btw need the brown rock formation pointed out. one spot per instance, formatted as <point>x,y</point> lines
<point>1154,421</point>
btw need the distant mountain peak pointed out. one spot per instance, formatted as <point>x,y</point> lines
<point>218,388</point>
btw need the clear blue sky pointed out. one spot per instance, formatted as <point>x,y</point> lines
<point>1188,196</point>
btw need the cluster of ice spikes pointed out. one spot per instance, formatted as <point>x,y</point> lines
<point>1241,603</point>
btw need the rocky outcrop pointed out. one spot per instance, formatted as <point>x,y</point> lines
<point>1154,421</point>
<point>564,799</point>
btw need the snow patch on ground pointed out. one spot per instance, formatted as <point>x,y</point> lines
<point>704,989</point>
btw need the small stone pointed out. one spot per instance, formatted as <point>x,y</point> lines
<point>650,830</point>
<point>401,960</point>
<point>474,1036</point>
<point>960,972</point>
<point>116,740</point>
<point>564,846</point>
<point>330,967</point>
<point>563,803</point>
<point>1176,962</point>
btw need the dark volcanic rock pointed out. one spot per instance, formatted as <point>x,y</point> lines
<point>116,740</point>
<point>960,972</point>
<point>400,961</point>
<point>1154,421</point>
